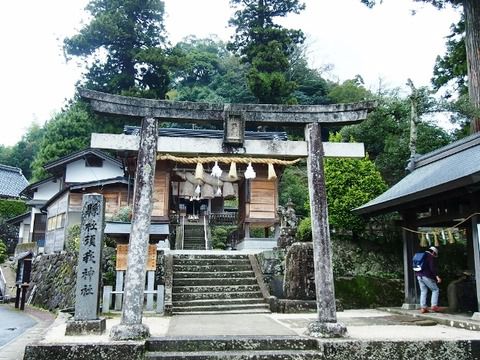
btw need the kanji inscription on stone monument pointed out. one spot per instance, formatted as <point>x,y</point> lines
<point>90,254</point>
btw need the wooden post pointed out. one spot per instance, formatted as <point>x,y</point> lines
<point>476,256</point>
<point>408,273</point>
<point>119,287</point>
<point>131,327</point>
<point>326,325</point>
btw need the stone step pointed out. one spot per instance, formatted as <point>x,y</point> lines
<point>215,295</point>
<point>193,247</point>
<point>237,355</point>
<point>210,256</point>
<point>230,343</point>
<point>210,268</point>
<point>216,275</point>
<point>216,288</point>
<point>210,302</point>
<point>211,262</point>
<point>214,281</point>
<point>226,307</point>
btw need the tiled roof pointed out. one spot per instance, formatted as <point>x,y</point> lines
<point>12,181</point>
<point>453,166</point>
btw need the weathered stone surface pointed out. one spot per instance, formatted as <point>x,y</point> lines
<point>86,327</point>
<point>299,282</point>
<point>208,112</point>
<point>139,236</point>
<point>323,329</point>
<point>130,351</point>
<point>87,295</point>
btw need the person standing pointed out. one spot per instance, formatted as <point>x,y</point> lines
<point>428,279</point>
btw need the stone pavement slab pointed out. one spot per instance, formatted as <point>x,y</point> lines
<point>229,324</point>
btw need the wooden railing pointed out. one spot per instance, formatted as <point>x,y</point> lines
<point>225,218</point>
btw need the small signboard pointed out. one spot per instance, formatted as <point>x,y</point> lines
<point>122,259</point>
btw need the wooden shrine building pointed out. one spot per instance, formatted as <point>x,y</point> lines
<point>439,202</point>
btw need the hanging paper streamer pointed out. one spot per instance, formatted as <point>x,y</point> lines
<point>423,240</point>
<point>232,174</point>
<point>271,172</point>
<point>435,241</point>
<point>427,235</point>
<point>451,239</point>
<point>198,190</point>
<point>199,171</point>
<point>250,173</point>
<point>216,171</point>
<point>444,237</point>
<point>219,192</point>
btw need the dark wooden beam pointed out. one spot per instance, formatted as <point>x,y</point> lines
<point>183,111</point>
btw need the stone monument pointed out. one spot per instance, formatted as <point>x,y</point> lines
<point>87,296</point>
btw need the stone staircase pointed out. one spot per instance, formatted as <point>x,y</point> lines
<point>205,284</point>
<point>194,237</point>
<point>232,347</point>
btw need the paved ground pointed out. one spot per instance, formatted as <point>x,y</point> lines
<point>29,326</point>
<point>361,325</point>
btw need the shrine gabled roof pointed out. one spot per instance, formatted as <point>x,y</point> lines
<point>451,167</point>
<point>12,181</point>
<point>207,133</point>
<point>51,166</point>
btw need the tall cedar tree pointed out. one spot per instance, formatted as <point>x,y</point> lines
<point>471,9</point>
<point>125,39</point>
<point>266,46</point>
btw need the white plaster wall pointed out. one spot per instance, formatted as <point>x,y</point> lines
<point>47,190</point>
<point>77,171</point>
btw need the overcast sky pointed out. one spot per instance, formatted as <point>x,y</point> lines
<point>385,44</point>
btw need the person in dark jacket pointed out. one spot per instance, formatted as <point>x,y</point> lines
<point>428,279</point>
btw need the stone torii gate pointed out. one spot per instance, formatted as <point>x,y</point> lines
<point>233,117</point>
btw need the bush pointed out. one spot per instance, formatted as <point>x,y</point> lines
<point>220,236</point>
<point>304,230</point>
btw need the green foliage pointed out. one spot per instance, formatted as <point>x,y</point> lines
<point>23,152</point>
<point>266,47</point>
<point>350,183</point>
<point>349,91</point>
<point>72,243</point>
<point>11,208</point>
<point>294,186</point>
<point>70,131</point>
<point>452,67</point>
<point>304,230</point>
<point>124,214</point>
<point>220,236</point>
<point>205,71</point>
<point>3,251</point>
<point>386,135</point>
<point>125,43</point>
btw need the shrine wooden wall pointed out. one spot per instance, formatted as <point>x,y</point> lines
<point>161,191</point>
<point>115,199</point>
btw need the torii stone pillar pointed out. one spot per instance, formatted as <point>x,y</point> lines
<point>131,327</point>
<point>326,325</point>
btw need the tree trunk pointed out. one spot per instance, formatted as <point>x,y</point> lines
<point>472,44</point>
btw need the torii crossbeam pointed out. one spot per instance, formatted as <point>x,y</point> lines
<point>234,117</point>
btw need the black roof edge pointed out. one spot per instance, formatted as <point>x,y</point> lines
<point>38,183</point>
<point>18,218</point>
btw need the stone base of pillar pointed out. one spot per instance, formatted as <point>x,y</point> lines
<point>85,327</point>
<point>129,332</point>
<point>407,306</point>
<point>476,316</point>
<point>326,330</point>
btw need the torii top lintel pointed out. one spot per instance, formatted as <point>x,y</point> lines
<point>184,111</point>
